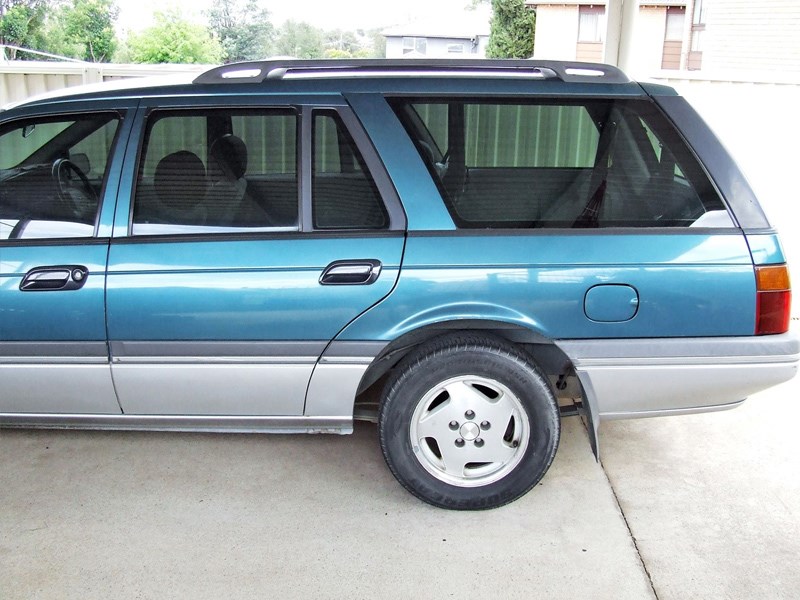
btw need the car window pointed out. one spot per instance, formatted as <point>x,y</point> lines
<point>344,195</point>
<point>52,173</point>
<point>573,164</point>
<point>217,171</point>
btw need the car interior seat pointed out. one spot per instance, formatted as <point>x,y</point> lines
<point>230,201</point>
<point>181,185</point>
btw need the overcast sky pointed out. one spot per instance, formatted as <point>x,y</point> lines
<point>327,14</point>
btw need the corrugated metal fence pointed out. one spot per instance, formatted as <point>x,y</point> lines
<point>20,80</point>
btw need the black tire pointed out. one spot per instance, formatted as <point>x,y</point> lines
<point>430,397</point>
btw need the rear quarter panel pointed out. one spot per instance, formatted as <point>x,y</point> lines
<point>693,283</point>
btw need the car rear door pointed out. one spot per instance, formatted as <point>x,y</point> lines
<point>251,236</point>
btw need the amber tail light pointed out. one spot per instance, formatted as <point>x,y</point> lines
<point>773,299</point>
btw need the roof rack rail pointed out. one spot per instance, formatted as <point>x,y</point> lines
<point>260,71</point>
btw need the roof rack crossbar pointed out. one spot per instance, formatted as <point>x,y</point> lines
<point>260,71</point>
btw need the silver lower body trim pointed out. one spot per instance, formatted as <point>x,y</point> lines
<point>641,378</point>
<point>333,388</point>
<point>229,424</point>
<point>608,416</point>
<point>52,387</point>
<point>212,388</point>
<point>639,391</point>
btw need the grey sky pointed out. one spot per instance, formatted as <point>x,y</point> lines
<point>328,14</point>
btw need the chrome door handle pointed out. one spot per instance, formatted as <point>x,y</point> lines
<point>351,272</point>
<point>56,278</point>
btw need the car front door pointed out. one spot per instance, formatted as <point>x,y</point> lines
<point>255,234</point>
<point>58,180</point>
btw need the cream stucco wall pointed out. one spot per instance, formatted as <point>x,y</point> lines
<point>742,35</point>
<point>648,41</point>
<point>556,32</point>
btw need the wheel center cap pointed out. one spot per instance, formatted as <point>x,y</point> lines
<point>470,431</point>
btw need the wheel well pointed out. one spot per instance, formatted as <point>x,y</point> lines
<point>544,353</point>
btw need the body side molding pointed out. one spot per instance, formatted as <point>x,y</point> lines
<point>230,424</point>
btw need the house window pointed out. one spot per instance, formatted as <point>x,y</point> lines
<point>699,15</point>
<point>697,40</point>
<point>674,29</point>
<point>673,38</point>
<point>455,48</point>
<point>415,45</point>
<point>591,23</point>
<point>591,31</point>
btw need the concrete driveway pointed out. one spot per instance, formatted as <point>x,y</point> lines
<point>713,501</point>
<point>703,506</point>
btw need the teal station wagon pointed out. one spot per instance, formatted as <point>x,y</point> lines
<point>462,251</point>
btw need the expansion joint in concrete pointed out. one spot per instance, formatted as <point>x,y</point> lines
<point>630,533</point>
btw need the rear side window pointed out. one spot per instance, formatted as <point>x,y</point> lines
<point>344,195</point>
<point>599,163</point>
<point>52,174</point>
<point>217,171</point>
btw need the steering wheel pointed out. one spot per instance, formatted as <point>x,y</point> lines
<point>74,188</point>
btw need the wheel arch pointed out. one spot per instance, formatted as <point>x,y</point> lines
<point>544,352</point>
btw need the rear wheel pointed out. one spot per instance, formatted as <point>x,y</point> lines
<point>468,422</point>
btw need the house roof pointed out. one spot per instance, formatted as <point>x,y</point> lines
<point>467,24</point>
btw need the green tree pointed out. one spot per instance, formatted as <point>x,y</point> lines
<point>21,24</point>
<point>299,40</point>
<point>53,37</point>
<point>173,40</point>
<point>512,31</point>
<point>15,25</point>
<point>378,46</point>
<point>341,44</point>
<point>243,29</point>
<point>89,24</point>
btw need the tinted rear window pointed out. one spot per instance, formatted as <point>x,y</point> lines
<point>599,163</point>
